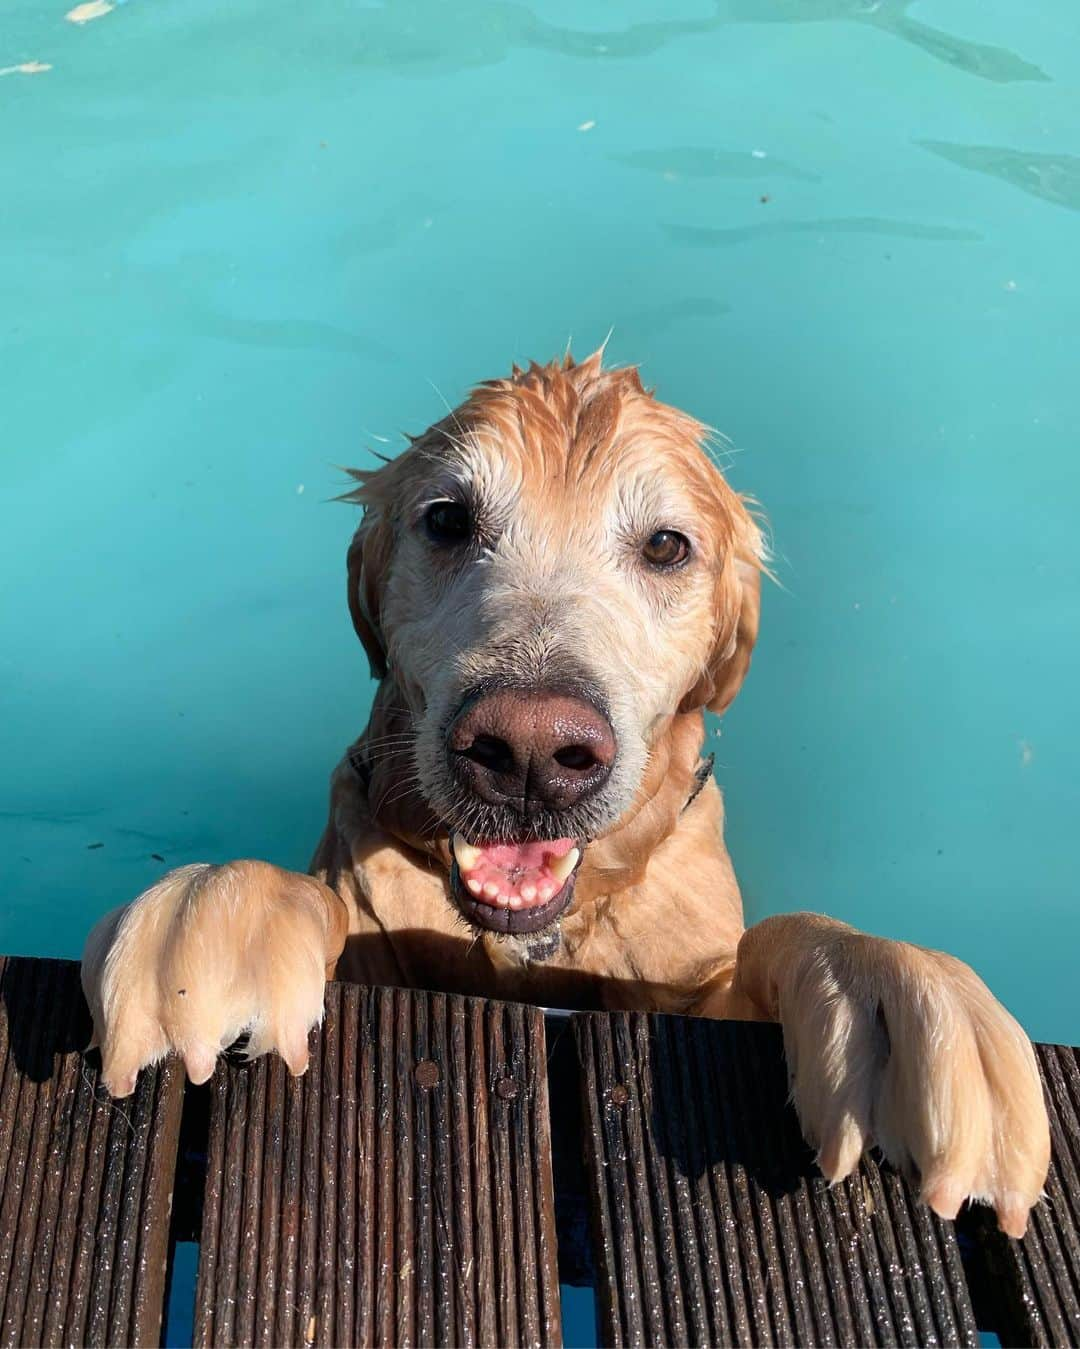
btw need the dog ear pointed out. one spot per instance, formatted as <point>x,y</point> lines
<point>729,666</point>
<point>738,615</point>
<point>369,560</point>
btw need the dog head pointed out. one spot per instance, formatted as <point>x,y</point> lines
<point>549,575</point>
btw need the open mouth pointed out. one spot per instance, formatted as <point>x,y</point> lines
<point>513,887</point>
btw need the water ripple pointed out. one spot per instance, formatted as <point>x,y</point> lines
<point>997,64</point>
<point>415,38</point>
<point>1054,178</point>
<point>293,335</point>
<point>702,236</point>
<point>691,161</point>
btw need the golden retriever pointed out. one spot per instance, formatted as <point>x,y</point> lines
<point>553,584</point>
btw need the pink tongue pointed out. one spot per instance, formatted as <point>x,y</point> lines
<point>516,875</point>
<point>524,856</point>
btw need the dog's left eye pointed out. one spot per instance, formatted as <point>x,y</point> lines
<point>448,522</point>
<point>666,549</point>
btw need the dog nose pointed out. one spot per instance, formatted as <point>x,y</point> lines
<point>532,749</point>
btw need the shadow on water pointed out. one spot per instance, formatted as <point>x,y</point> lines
<point>506,25</point>
<point>705,236</point>
<point>692,161</point>
<point>1054,178</point>
<point>997,64</point>
<point>413,36</point>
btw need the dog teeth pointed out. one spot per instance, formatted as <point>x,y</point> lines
<point>467,856</point>
<point>491,890</point>
<point>561,867</point>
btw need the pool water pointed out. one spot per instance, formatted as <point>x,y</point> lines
<point>242,245</point>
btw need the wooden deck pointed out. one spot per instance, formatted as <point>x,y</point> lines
<point>713,1227</point>
<point>443,1161</point>
<point>85,1185</point>
<point>399,1193</point>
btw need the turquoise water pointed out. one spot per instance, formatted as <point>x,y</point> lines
<point>242,244</point>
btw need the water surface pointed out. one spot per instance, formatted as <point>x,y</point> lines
<point>243,244</point>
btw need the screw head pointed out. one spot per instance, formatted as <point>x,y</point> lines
<point>619,1094</point>
<point>506,1089</point>
<point>426,1074</point>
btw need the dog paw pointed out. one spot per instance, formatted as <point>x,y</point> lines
<point>206,955</point>
<point>905,1048</point>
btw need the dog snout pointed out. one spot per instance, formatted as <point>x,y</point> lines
<point>531,749</point>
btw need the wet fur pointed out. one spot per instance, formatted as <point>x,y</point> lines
<point>566,466</point>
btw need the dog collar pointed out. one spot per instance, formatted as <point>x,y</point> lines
<point>702,773</point>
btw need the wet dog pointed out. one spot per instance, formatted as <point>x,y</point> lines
<point>553,584</point>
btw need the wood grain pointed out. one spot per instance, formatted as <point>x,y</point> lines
<point>711,1223</point>
<point>399,1193</point>
<point>85,1182</point>
<point>1037,1280</point>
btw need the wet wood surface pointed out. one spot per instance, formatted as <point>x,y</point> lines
<point>85,1182</point>
<point>401,1193</point>
<point>1037,1280</point>
<point>711,1223</point>
<point>398,1194</point>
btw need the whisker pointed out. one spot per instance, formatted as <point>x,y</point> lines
<point>386,757</point>
<point>407,785</point>
<point>393,801</point>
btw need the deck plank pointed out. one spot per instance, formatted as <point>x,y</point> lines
<point>399,1193</point>
<point>1037,1280</point>
<point>711,1223</point>
<point>86,1183</point>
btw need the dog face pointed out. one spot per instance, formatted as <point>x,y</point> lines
<point>549,575</point>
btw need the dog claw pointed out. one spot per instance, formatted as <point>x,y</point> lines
<point>1013,1212</point>
<point>199,1060</point>
<point>945,1197</point>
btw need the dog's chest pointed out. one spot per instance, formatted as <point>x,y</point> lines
<point>524,952</point>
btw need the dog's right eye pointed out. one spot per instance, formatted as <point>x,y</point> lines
<point>448,522</point>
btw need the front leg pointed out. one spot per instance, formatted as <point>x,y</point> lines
<point>899,1046</point>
